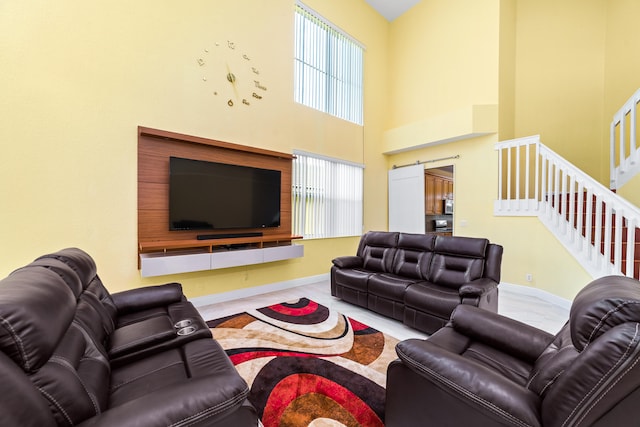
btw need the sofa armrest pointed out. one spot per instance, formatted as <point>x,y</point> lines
<point>501,332</point>
<point>139,335</point>
<point>477,288</point>
<point>184,403</point>
<point>148,297</point>
<point>350,261</point>
<point>471,382</point>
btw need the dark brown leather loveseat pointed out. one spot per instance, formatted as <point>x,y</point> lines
<point>419,278</point>
<point>71,354</point>
<point>486,370</point>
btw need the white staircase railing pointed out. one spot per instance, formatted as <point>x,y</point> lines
<point>625,153</point>
<point>596,225</point>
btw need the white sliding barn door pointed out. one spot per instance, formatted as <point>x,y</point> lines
<point>406,199</point>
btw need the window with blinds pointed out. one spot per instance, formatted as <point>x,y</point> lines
<point>328,67</point>
<point>326,197</point>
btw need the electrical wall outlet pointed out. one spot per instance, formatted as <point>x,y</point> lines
<point>529,277</point>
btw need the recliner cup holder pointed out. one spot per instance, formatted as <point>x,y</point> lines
<point>187,330</point>
<point>183,323</point>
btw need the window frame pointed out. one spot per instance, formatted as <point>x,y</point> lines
<point>332,208</point>
<point>328,67</point>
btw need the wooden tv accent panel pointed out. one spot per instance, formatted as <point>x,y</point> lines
<point>167,252</point>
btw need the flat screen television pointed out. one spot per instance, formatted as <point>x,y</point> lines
<point>218,196</point>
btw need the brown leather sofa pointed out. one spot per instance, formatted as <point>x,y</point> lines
<point>419,279</point>
<point>484,369</point>
<point>72,354</point>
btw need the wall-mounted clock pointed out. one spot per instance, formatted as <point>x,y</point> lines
<point>233,74</point>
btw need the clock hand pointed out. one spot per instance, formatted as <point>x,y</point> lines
<point>232,79</point>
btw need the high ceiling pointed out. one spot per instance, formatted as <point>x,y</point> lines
<point>391,9</point>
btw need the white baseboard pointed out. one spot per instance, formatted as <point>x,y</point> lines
<point>538,293</point>
<point>257,290</point>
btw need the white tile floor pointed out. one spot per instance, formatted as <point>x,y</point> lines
<point>525,308</point>
<point>532,310</point>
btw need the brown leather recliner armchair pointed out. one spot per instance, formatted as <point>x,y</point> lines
<point>484,369</point>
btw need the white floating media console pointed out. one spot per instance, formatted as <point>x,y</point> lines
<point>162,263</point>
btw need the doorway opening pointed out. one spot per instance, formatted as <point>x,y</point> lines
<point>439,204</point>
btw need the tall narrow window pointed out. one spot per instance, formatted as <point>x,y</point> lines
<point>328,67</point>
<point>326,197</point>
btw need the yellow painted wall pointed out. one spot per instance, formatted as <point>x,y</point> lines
<point>507,69</point>
<point>444,57</point>
<point>560,64</point>
<point>631,190</point>
<point>622,67</point>
<point>622,71</point>
<point>77,80</point>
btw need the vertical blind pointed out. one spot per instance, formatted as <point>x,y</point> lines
<point>326,197</point>
<point>328,67</point>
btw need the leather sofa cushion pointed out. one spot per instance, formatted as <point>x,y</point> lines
<point>418,242</point>
<point>606,372</point>
<point>22,404</point>
<point>197,359</point>
<point>482,353</point>
<point>76,379</point>
<point>431,298</point>
<point>78,260</point>
<point>412,264</point>
<point>457,261</point>
<point>604,304</point>
<point>31,328</point>
<point>413,256</point>
<point>389,286</point>
<point>507,365</point>
<point>377,258</point>
<point>178,387</point>
<point>134,380</point>
<point>478,385</point>
<point>452,271</point>
<point>381,239</point>
<point>552,362</point>
<point>472,247</point>
<point>67,273</point>
<point>377,250</point>
<point>84,269</point>
<point>353,279</point>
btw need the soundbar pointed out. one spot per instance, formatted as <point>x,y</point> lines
<point>227,236</point>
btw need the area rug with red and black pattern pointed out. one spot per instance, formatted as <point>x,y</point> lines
<point>308,365</point>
